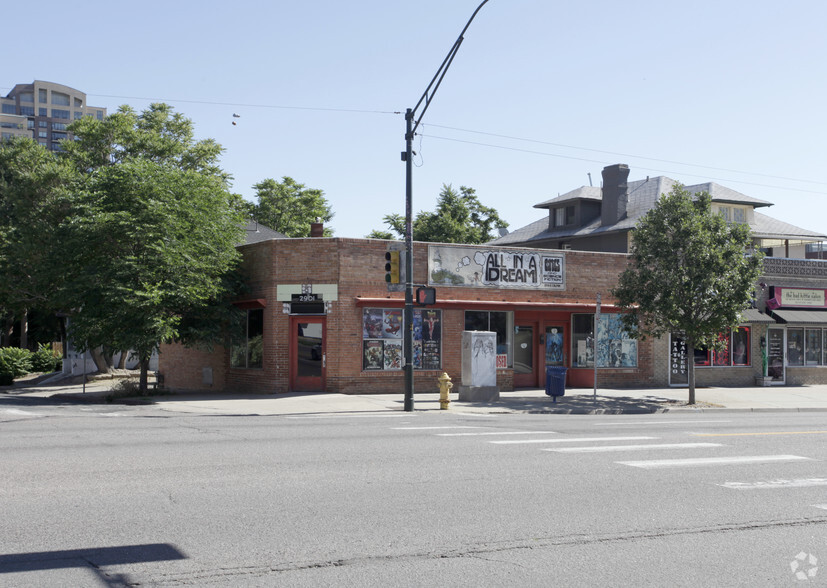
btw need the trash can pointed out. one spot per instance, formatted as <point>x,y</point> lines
<point>555,381</point>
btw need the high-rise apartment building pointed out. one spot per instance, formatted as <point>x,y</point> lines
<point>42,110</point>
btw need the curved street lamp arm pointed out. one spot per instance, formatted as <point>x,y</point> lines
<point>440,74</point>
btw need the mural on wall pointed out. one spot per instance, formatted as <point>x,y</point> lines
<point>614,346</point>
<point>495,268</point>
<point>382,347</point>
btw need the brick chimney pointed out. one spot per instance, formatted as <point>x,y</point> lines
<point>615,196</point>
<point>317,229</point>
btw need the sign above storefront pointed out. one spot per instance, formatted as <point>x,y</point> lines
<point>797,297</point>
<point>496,268</point>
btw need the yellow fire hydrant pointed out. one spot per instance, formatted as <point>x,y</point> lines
<point>445,386</point>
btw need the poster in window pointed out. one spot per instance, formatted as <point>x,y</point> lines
<point>417,354</point>
<point>430,355</point>
<point>393,354</point>
<point>431,329</point>
<point>372,323</point>
<point>614,346</point>
<point>374,354</point>
<point>392,324</point>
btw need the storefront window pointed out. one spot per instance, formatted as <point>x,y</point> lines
<point>382,331</point>
<point>795,347</point>
<point>812,354</point>
<point>247,346</point>
<point>615,348</point>
<point>582,340</point>
<point>734,353</point>
<point>497,322</point>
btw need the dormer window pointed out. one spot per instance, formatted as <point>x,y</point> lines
<point>731,214</point>
<point>564,216</point>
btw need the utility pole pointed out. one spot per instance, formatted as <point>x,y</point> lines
<point>411,124</point>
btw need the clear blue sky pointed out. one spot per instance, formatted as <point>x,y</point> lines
<point>540,95</point>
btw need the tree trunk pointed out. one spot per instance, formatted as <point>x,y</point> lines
<point>24,330</point>
<point>691,370</point>
<point>143,384</point>
<point>100,361</point>
<point>8,329</point>
<point>122,360</point>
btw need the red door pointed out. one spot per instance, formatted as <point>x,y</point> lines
<point>308,355</point>
<point>525,352</point>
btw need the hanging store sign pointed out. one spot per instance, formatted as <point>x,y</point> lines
<point>496,268</point>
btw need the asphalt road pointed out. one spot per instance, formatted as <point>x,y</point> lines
<point>136,496</point>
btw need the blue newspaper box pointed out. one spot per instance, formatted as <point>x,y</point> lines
<point>555,381</point>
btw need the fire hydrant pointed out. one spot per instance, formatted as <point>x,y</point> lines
<point>445,386</point>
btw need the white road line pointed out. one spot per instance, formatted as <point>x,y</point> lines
<point>349,416</point>
<point>18,412</point>
<point>606,448</point>
<point>781,483</point>
<point>496,433</point>
<point>821,506</point>
<point>571,440</point>
<point>430,428</point>
<point>705,461</point>
<point>655,422</point>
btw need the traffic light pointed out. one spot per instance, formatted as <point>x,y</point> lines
<point>392,267</point>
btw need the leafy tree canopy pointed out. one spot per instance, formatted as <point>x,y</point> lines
<point>289,207</point>
<point>690,273</point>
<point>459,218</point>
<point>150,232</point>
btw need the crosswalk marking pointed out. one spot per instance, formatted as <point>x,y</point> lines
<point>655,422</point>
<point>495,433</point>
<point>570,440</point>
<point>431,428</point>
<point>349,416</point>
<point>704,461</point>
<point>602,448</point>
<point>769,484</point>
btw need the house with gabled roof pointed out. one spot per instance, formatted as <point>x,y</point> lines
<point>601,219</point>
<point>788,323</point>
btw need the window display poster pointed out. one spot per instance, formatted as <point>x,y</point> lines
<point>382,339</point>
<point>614,346</point>
<point>393,355</point>
<point>374,355</point>
<point>392,324</point>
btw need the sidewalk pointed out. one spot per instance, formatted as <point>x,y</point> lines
<point>575,401</point>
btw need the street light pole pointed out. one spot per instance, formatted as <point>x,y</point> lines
<point>411,124</point>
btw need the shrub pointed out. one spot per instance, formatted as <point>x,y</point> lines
<point>15,362</point>
<point>44,359</point>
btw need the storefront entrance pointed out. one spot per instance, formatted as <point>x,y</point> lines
<point>536,347</point>
<point>775,355</point>
<point>307,354</point>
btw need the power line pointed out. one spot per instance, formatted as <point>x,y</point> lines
<point>627,155</point>
<point>517,149</point>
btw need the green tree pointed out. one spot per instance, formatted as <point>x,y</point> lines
<point>290,207</point>
<point>150,235</point>
<point>32,182</point>
<point>689,273</point>
<point>459,218</point>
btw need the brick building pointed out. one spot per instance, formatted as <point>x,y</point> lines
<point>320,316</point>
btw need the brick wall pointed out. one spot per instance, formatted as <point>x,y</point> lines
<point>356,267</point>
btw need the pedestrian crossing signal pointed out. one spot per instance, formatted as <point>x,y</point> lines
<point>425,296</point>
<point>392,267</point>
